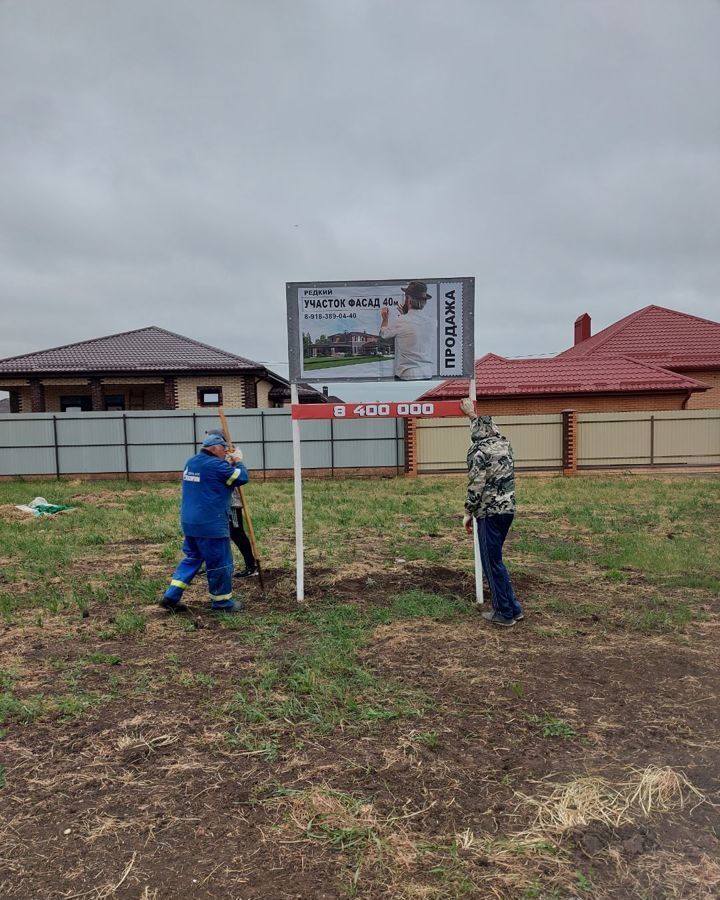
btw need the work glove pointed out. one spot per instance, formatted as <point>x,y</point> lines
<point>235,456</point>
<point>468,407</point>
<point>467,523</point>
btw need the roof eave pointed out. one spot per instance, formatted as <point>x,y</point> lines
<point>129,373</point>
<point>547,394</point>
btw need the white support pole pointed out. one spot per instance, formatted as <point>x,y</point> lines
<point>297,477</point>
<point>479,599</point>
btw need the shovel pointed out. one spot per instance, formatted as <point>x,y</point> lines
<point>246,510</point>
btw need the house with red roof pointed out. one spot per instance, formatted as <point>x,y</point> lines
<point>653,359</point>
<point>146,369</point>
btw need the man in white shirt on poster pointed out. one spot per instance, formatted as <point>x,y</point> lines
<point>414,333</point>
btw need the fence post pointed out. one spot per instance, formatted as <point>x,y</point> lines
<point>569,442</point>
<point>332,449</point>
<point>652,440</point>
<point>411,461</point>
<point>125,444</point>
<point>262,443</point>
<point>56,448</point>
<point>195,440</point>
<point>398,438</point>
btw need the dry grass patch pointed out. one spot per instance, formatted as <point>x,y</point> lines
<point>584,800</point>
<point>680,877</point>
<point>9,513</point>
<point>385,852</point>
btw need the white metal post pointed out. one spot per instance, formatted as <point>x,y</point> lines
<point>479,599</point>
<point>297,477</point>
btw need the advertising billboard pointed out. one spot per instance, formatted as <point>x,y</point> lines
<point>406,330</point>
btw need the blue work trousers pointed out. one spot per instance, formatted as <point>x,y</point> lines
<point>217,556</point>
<point>492,531</point>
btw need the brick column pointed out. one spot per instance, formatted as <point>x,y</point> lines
<point>97,394</point>
<point>37,395</point>
<point>569,442</point>
<point>14,401</point>
<point>250,392</point>
<point>170,392</point>
<point>411,447</point>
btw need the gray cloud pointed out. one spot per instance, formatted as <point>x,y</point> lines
<point>175,162</point>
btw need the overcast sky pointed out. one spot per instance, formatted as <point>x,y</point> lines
<point>174,163</point>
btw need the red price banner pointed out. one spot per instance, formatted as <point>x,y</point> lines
<point>421,409</point>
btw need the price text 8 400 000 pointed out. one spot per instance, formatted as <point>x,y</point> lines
<point>381,410</point>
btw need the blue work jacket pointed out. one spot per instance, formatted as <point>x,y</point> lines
<point>208,483</point>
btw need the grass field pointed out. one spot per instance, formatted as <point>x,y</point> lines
<point>381,741</point>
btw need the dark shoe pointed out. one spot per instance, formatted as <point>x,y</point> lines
<point>248,572</point>
<point>496,619</point>
<point>172,606</point>
<point>233,607</point>
<point>519,617</point>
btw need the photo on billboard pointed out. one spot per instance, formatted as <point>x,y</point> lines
<point>404,330</point>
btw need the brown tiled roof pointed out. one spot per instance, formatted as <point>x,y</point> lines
<point>149,349</point>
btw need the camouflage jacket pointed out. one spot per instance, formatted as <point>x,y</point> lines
<point>491,478</point>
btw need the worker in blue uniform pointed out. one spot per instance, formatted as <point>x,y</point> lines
<point>209,479</point>
<point>237,531</point>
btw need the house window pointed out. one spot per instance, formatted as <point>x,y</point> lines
<point>114,402</point>
<point>76,403</point>
<point>209,396</point>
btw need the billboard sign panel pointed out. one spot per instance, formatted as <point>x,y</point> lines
<point>406,330</point>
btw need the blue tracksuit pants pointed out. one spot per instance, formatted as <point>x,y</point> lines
<point>217,556</point>
<point>492,531</point>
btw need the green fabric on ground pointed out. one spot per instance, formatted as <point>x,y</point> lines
<point>49,509</point>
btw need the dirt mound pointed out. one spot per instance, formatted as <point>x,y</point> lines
<point>10,513</point>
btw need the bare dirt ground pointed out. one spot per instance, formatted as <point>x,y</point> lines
<point>145,794</point>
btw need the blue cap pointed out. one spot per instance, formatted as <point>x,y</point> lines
<point>214,440</point>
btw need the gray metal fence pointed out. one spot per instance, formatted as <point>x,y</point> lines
<point>132,443</point>
<point>141,443</point>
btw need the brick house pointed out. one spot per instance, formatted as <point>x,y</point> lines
<point>345,343</point>
<point>146,369</point>
<point>653,359</point>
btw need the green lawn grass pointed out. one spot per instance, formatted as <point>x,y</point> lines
<point>329,362</point>
<point>667,530</point>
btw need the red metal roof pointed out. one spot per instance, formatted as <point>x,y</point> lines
<point>635,354</point>
<point>149,349</point>
<point>497,376</point>
<point>672,339</point>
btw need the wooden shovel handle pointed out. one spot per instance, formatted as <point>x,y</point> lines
<point>246,510</point>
